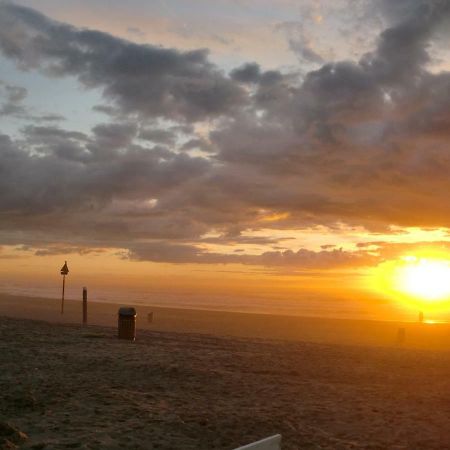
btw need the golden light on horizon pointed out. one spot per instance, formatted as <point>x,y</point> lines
<point>426,279</point>
<point>420,281</point>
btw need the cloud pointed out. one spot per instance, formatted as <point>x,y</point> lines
<point>395,250</point>
<point>13,104</point>
<point>356,142</point>
<point>12,97</point>
<point>160,136</point>
<point>248,73</point>
<point>305,259</point>
<point>52,250</point>
<point>299,42</point>
<point>360,140</point>
<point>144,79</point>
<point>55,170</point>
<point>197,144</point>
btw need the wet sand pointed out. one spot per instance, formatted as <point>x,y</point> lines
<point>333,331</point>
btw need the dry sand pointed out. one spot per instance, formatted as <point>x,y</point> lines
<point>68,386</point>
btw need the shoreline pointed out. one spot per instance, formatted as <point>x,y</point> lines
<point>434,336</point>
<point>140,304</point>
<point>297,306</point>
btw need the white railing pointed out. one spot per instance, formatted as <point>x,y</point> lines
<point>270,443</point>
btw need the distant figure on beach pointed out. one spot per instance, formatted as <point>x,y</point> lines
<point>401,334</point>
<point>420,316</point>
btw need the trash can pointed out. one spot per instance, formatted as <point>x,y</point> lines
<point>127,323</point>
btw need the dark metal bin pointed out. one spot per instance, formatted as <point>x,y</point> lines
<point>127,323</point>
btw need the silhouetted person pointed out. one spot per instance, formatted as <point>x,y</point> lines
<point>401,334</point>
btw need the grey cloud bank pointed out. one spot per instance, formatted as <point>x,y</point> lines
<point>357,142</point>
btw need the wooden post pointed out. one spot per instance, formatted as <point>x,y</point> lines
<point>84,306</point>
<point>62,299</point>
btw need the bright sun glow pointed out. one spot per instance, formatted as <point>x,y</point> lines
<point>423,278</point>
<point>418,282</point>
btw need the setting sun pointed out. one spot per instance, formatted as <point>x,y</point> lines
<point>423,278</point>
<point>416,282</point>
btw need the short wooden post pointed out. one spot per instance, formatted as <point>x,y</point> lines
<point>62,298</point>
<point>84,306</point>
<point>150,317</point>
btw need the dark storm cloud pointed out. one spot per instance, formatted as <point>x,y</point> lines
<point>143,79</point>
<point>355,142</point>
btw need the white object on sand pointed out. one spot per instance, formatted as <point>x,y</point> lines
<point>270,443</point>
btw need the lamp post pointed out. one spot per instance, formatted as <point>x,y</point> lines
<point>64,272</point>
<point>84,305</point>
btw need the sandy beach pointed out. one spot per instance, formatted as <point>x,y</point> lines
<point>68,386</point>
<point>185,384</point>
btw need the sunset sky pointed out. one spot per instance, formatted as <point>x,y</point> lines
<point>296,151</point>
